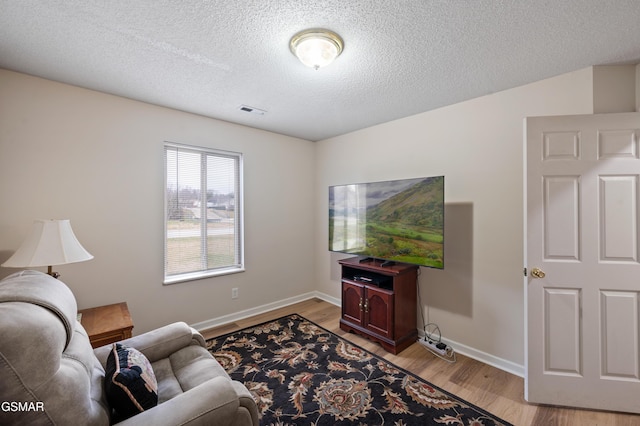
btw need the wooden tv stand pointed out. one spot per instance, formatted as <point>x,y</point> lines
<point>380,302</point>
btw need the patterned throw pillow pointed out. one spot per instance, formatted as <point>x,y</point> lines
<point>130,384</point>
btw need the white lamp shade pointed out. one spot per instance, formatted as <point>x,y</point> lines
<point>50,242</point>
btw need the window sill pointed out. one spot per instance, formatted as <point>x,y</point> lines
<point>193,276</point>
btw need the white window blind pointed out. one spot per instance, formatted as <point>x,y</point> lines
<point>203,213</point>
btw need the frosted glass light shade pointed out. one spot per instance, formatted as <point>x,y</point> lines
<point>316,48</point>
<point>50,242</point>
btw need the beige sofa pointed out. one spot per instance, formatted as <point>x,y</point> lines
<point>49,374</point>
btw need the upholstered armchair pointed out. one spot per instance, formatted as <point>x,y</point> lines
<point>49,374</point>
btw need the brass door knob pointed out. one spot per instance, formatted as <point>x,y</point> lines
<point>537,273</point>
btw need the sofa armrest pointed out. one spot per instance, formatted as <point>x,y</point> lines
<point>214,402</point>
<point>159,343</point>
<point>246,400</point>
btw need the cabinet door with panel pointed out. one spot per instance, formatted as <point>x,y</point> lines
<point>368,307</point>
<point>352,302</point>
<point>378,311</point>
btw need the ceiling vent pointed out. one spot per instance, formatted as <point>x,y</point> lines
<point>252,110</point>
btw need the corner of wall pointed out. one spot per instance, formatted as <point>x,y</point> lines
<point>638,88</point>
<point>615,88</point>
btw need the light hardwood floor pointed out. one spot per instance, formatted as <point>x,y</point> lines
<point>494,390</point>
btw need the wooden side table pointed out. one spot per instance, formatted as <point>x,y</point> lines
<point>107,324</point>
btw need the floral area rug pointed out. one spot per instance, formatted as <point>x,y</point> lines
<point>301,374</point>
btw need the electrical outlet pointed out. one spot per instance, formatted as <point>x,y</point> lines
<point>234,293</point>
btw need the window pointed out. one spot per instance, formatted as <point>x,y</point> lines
<point>203,213</point>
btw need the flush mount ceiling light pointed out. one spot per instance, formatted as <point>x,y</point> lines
<point>316,47</point>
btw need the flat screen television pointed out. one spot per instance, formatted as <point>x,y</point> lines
<point>398,220</point>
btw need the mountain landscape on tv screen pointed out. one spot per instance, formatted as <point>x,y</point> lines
<point>409,225</point>
<point>399,220</point>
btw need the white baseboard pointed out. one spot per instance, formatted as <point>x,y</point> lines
<point>327,298</point>
<point>502,364</point>
<point>494,361</point>
<point>225,319</point>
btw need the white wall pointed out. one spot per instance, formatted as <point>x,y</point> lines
<point>638,87</point>
<point>614,89</point>
<point>96,159</point>
<point>477,300</point>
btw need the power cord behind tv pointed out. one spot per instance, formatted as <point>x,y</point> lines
<point>434,344</point>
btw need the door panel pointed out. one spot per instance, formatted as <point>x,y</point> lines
<point>352,300</point>
<point>562,321</point>
<point>620,315</point>
<point>618,218</point>
<point>561,218</point>
<point>581,212</point>
<point>379,312</point>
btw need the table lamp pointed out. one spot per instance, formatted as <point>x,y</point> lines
<point>50,242</point>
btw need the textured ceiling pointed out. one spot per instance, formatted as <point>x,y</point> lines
<point>401,57</point>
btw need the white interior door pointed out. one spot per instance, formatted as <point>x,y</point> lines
<point>583,307</point>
